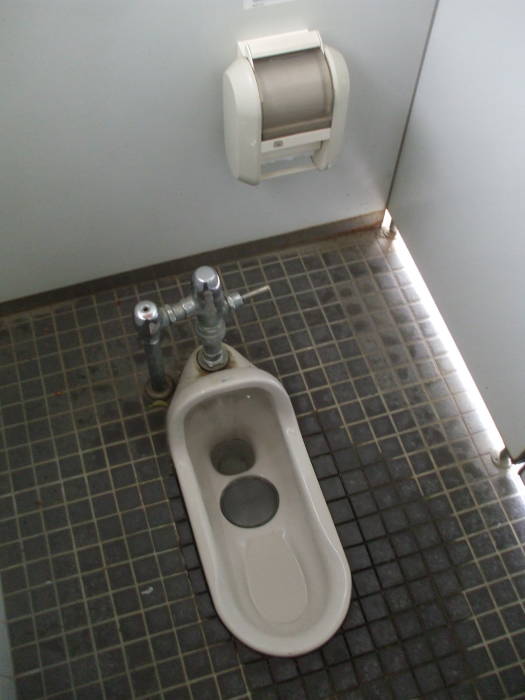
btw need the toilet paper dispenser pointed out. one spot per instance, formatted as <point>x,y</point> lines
<point>285,100</point>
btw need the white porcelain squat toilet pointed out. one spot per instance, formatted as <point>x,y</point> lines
<point>274,564</point>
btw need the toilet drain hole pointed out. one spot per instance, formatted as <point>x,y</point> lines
<point>249,501</point>
<point>232,457</point>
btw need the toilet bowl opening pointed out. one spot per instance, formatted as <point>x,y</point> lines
<point>249,501</point>
<point>233,456</point>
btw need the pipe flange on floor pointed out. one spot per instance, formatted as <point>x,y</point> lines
<point>502,460</point>
<point>163,394</point>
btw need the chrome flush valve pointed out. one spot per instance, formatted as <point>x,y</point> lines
<point>206,279</point>
<point>208,305</point>
<point>211,308</point>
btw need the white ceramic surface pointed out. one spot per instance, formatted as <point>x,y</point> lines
<point>282,588</point>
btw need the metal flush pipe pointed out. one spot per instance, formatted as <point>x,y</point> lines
<point>149,322</point>
<point>209,306</point>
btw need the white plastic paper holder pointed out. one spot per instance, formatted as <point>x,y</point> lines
<point>252,137</point>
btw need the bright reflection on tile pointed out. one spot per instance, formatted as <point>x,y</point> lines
<point>400,247</point>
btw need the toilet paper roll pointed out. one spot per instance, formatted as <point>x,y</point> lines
<point>296,93</point>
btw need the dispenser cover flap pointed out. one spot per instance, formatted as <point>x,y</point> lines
<point>296,93</point>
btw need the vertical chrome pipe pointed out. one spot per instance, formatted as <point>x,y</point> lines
<point>149,324</point>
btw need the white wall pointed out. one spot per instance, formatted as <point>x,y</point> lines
<point>111,136</point>
<point>459,194</point>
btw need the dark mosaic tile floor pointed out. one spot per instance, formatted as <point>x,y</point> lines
<point>104,591</point>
